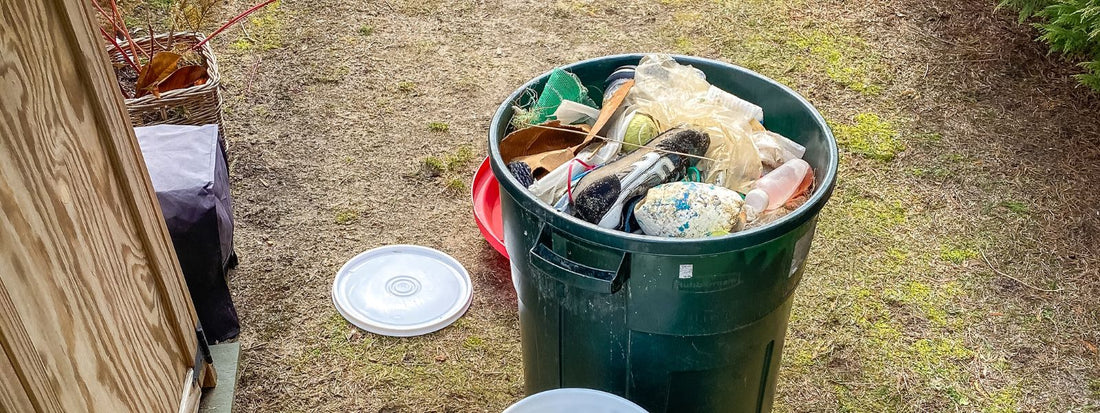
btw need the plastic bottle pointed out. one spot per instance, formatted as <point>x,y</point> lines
<point>778,186</point>
<point>757,200</point>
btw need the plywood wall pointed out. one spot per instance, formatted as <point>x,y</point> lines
<point>94,312</point>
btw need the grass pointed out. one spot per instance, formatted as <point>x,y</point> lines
<point>449,167</point>
<point>942,188</point>
<point>454,162</point>
<point>957,255</point>
<point>383,362</point>
<point>346,216</point>
<point>455,186</point>
<point>869,136</point>
<point>330,74</point>
<point>764,41</point>
<point>843,58</point>
<point>438,127</point>
<point>1017,207</point>
<point>460,158</point>
<point>433,166</point>
<point>366,30</point>
<point>265,30</point>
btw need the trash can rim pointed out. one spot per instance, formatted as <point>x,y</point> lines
<point>498,127</point>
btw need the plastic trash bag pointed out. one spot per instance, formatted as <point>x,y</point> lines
<point>572,113</point>
<point>775,149</point>
<point>677,95</point>
<point>187,168</point>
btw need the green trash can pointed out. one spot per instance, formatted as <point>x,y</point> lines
<point>671,324</point>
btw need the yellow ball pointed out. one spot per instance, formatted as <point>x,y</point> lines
<point>639,131</point>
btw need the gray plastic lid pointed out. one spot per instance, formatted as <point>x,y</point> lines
<point>402,290</point>
<point>574,401</point>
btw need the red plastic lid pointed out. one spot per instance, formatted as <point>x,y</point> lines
<point>487,207</point>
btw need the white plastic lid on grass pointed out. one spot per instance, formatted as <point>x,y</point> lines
<point>402,290</point>
<point>574,401</point>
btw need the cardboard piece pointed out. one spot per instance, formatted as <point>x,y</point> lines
<point>544,147</point>
<point>611,105</point>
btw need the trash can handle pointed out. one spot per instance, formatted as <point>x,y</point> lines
<point>573,273</point>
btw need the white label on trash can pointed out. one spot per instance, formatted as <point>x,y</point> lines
<point>686,271</point>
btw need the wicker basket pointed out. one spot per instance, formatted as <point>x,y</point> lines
<point>195,105</point>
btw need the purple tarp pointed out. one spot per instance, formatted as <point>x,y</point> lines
<point>189,174</point>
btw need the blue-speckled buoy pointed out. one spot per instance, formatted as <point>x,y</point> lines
<point>690,210</point>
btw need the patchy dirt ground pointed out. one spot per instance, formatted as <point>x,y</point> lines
<point>956,267</point>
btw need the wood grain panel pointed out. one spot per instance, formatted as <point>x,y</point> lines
<point>13,397</point>
<point>94,312</point>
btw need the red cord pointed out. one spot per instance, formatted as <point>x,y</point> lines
<point>231,22</point>
<point>569,178</point>
<point>569,182</point>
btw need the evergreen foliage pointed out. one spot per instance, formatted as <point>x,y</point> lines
<point>1070,27</point>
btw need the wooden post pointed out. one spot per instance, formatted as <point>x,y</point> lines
<point>94,311</point>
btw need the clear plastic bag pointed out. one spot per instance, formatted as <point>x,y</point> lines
<point>676,95</point>
<point>776,149</point>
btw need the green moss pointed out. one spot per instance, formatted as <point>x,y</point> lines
<point>266,28</point>
<point>459,158</point>
<point>346,216</point>
<point>869,136</point>
<point>1003,401</point>
<point>432,166</point>
<point>807,352</point>
<point>241,44</point>
<point>1094,387</point>
<point>876,216</point>
<point>896,260</point>
<point>885,331</point>
<point>366,30</point>
<point>802,357</point>
<point>684,45</point>
<point>845,59</point>
<point>337,333</point>
<point>473,343</point>
<point>1017,207</point>
<point>455,186</point>
<point>940,356</point>
<point>438,127</point>
<point>957,397</point>
<point>931,303</point>
<point>956,255</point>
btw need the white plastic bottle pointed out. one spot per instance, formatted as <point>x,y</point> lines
<point>778,186</point>
<point>756,200</point>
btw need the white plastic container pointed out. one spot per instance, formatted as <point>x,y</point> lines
<point>402,290</point>
<point>781,184</point>
<point>574,401</point>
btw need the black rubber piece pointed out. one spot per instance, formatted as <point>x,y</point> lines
<point>522,172</point>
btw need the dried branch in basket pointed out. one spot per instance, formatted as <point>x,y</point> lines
<point>174,66</point>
